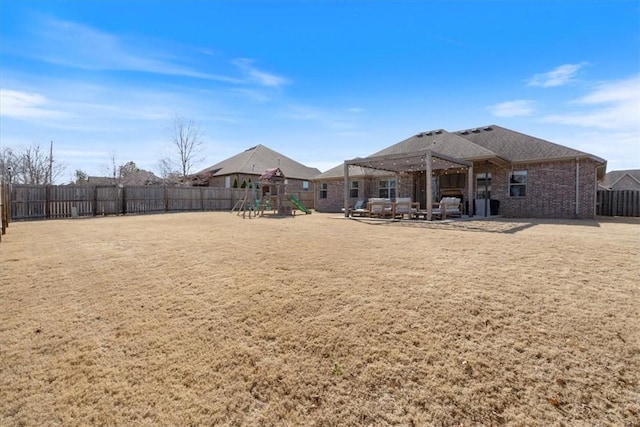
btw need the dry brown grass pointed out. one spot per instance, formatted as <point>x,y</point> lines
<point>205,318</point>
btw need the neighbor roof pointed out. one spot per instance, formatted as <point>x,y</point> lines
<point>611,178</point>
<point>256,160</point>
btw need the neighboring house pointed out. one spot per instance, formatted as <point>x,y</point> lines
<point>246,167</point>
<point>140,177</point>
<point>622,180</point>
<point>516,174</point>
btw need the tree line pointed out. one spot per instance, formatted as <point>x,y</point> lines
<point>36,165</point>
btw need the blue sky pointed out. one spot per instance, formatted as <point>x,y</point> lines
<point>318,81</point>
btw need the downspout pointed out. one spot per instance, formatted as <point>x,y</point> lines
<point>577,187</point>
<point>428,172</point>
<point>346,189</point>
<point>486,189</point>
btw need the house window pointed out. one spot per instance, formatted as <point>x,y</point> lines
<point>387,189</point>
<point>483,185</point>
<point>227,182</point>
<point>305,185</point>
<point>324,190</point>
<point>353,189</point>
<point>518,183</point>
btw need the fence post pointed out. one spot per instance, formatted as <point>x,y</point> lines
<point>124,200</point>
<point>3,224</point>
<point>46,202</point>
<point>166,198</point>
<point>95,200</point>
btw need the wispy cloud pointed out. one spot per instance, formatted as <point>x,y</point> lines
<point>80,46</point>
<point>559,76</point>
<point>258,76</point>
<point>610,105</point>
<point>513,108</point>
<point>27,105</point>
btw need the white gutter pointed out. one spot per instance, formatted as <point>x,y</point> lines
<point>577,186</point>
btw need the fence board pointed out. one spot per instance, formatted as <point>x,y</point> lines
<point>618,203</point>
<point>65,201</point>
<point>5,207</point>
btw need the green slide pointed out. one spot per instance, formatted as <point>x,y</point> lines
<point>293,199</point>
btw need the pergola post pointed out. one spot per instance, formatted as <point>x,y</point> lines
<point>428,171</point>
<point>470,197</point>
<point>346,189</point>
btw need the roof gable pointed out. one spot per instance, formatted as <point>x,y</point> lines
<point>442,142</point>
<point>622,179</point>
<point>256,160</point>
<point>518,147</point>
<point>614,176</point>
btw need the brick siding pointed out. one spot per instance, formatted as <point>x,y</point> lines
<point>550,192</point>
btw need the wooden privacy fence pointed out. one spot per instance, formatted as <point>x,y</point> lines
<point>70,201</point>
<point>5,203</point>
<point>618,203</point>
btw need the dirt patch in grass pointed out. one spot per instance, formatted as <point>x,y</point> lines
<point>206,318</point>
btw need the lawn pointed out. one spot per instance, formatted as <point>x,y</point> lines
<point>317,320</point>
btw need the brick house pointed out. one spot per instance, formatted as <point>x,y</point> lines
<point>491,169</point>
<point>246,167</point>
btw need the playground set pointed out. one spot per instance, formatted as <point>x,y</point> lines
<point>273,199</point>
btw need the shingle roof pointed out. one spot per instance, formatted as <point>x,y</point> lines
<point>338,172</point>
<point>439,141</point>
<point>442,142</point>
<point>488,142</point>
<point>518,147</point>
<point>614,176</point>
<point>139,177</point>
<point>258,159</point>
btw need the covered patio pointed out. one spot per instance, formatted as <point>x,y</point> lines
<point>427,161</point>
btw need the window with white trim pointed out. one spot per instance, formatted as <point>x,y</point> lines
<point>353,189</point>
<point>387,188</point>
<point>227,181</point>
<point>324,190</point>
<point>305,185</point>
<point>517,183</point>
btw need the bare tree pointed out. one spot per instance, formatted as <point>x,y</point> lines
<point>186,144</point>
<point>8,164</point>
<point>31,165</point>
<point>167,171</point>
<point>112,170</point>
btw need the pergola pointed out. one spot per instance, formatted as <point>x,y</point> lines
<point>418,161</point>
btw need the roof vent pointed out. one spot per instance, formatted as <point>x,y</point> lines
<point>252,148</point>
<point>438,132</point>
<point>475,130</point>
<point>464,132</point>
<point>488,128</point>
<point>420,135</point>
<point>429,133</point>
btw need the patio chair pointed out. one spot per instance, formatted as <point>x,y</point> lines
<point>448,207</point>
<point>380,207</point>
<point>359,209</point>
<point>404,206</point>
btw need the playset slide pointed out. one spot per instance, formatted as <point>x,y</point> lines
<point>294,200</point>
